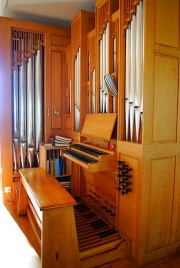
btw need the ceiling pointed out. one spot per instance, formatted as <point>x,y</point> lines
<point>55,12</point>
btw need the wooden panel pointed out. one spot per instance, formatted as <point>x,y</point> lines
<point>60,40</point>
<point>165,99</point>
<point>176,205</point>
<point>101,196</point>
<point>160,202</point>
<point>56,88</point>
<point>59,239</point>
<point>68,122</point>
<point>128,204</point>
<point>167,22</point>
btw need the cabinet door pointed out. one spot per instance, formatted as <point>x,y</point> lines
<point>55,83</point>
<point>56,62</point>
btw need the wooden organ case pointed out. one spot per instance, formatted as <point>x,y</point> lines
<point>96,213</point>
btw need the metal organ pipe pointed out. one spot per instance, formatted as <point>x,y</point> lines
<point>101,75</point>
<point>39,97</point>
<point>15,104</point>
<point>27,95</point>
<point>30,102</point>
<point>134,73</point>
<point>127,84</point>
<point>22,101</point>
<point>114,54</point>
<point>104,68</point>
<point>93,90</point>
<point>107,65</point>
<point>77,89</point>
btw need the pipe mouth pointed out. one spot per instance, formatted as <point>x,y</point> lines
<point>111,85</point>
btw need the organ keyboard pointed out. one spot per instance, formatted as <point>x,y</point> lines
<point>97,127</point>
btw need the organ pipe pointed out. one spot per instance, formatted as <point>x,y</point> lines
<point>27,92</point>
<point>39,97</point>
<point>104,68</point>
<point>30,103</point>
<point>22,101</point>
<point>134,69</point>
<point>77,89</point>
<point>15,104</point>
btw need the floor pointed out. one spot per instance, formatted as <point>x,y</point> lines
<point>18,247</point>
<point>16,251</point>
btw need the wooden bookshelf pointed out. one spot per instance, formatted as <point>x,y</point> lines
<point>52,160</point>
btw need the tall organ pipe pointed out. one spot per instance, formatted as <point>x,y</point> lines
<point>77,89</point>
<point>22,101</point>
<point>127,85</point>
<point>101,74</point>
<point>75,93</point>
<point>132,75</point>
<point>15,104</point>
<point>107,65</point>
<point>39,97</point>
<point>104,68</point>
<point>93,90</point>
<point>30,102</point>
<point>139,67</point>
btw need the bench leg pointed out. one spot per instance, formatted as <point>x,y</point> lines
<point>59,244</point>
<point>22,200</point>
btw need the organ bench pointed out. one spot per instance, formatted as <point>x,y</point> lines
<point>49,208</point>
<point>65,237</point>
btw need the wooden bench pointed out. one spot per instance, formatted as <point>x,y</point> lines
<point>50,210</point>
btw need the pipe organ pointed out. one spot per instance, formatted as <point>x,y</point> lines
<point>128,179</point>
<point>27,65</point>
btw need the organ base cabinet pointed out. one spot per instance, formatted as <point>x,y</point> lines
<point>150,213</point>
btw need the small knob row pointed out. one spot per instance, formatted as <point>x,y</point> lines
<point>123,178</point>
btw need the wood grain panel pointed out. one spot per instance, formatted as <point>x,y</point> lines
<point>176,204</point>
<point>160,202</point>
<point>59,252</point>
<point>56,88</point>
<point>60,40</point>
<point>165,99</point>
<point>128,204</point>
<point>167,22</point>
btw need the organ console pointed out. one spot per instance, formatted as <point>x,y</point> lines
<point>97,127</point>
<point>86,225</point>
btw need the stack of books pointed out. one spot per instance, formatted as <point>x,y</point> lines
<point>55,163</point>
<point>65,181</point>
<point>61,141</point>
